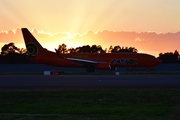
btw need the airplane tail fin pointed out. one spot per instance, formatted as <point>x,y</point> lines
<point>32,45</point>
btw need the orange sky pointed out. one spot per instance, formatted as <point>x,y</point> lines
<point>145,42</point>
<point>100,22</point>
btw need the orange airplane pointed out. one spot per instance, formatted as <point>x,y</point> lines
<point>91,61</point>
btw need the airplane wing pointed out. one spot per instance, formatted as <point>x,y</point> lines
<point>83,62</point>
<point>79,61</point>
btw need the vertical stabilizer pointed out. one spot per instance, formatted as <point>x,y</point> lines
<point>32,45</point>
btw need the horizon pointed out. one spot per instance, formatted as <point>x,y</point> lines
<point>149,26</point>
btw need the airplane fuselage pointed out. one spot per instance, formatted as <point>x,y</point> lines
<point>115,59</point>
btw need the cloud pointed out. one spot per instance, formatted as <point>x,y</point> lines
<point>150,42</point>
<point>10,36</point>
<point>138,39</point>
<point>16,37</point>
<point>144,41</point>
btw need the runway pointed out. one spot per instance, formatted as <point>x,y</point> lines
<point>89,82</point>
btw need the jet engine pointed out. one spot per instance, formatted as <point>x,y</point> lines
<point>103,66</point>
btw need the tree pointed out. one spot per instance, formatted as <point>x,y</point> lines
<point>99,49</point>
<point>119,49</point>
<point>110,49</point>
<point>85,49</point>
<point>176,56</point>
<point>22,51</point>
<point>94,49</point>
<point>62,48</point>
<point>71,50</point>
<point>116,49</point>
<point>132,49</point>
<point>88,49</point>
<point>9,48</point>
<point>169,57</point>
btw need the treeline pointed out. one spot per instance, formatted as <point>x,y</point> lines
<point>95,49</point>
<point>170,57</point>
<point>10,54</point>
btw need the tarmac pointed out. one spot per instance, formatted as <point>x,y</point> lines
<point>11,82</point>
<point>28,68</point>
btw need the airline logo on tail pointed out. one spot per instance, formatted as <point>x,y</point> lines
<point>32,49</point>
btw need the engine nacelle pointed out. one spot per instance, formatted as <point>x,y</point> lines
<point>103,66</point>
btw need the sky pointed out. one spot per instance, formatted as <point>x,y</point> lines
<point>151,26</point>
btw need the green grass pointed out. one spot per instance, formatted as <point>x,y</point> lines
<point>90,104</point>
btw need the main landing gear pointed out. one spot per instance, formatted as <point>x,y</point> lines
<point>148,68</point>
<point>90,69</point>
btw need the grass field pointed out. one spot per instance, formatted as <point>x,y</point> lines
<point>77,104</point>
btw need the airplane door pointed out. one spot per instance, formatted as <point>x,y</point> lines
<point>45,59</point>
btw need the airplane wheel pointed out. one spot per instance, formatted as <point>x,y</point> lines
<point>90,69</point>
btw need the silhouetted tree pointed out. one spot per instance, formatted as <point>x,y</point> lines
<point>85,49</point>
<point>126,49</point>
<point>110,49</point>
<point>169,57</point>
<point>94,49</point>
<point>105,50</point>
<point>176,56</point>
<point>99,49</point>
<point>9,48</point>
<point>71,50</point>
<point>22,51</point>
<point>88,49</point>
<point>116,49</point>
<point>132,49</point>
<point>10,54</point>
<point>62,48</point>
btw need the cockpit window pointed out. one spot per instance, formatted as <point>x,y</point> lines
<point>152,57</point>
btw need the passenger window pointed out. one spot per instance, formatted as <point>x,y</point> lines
<point>152,57</point>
